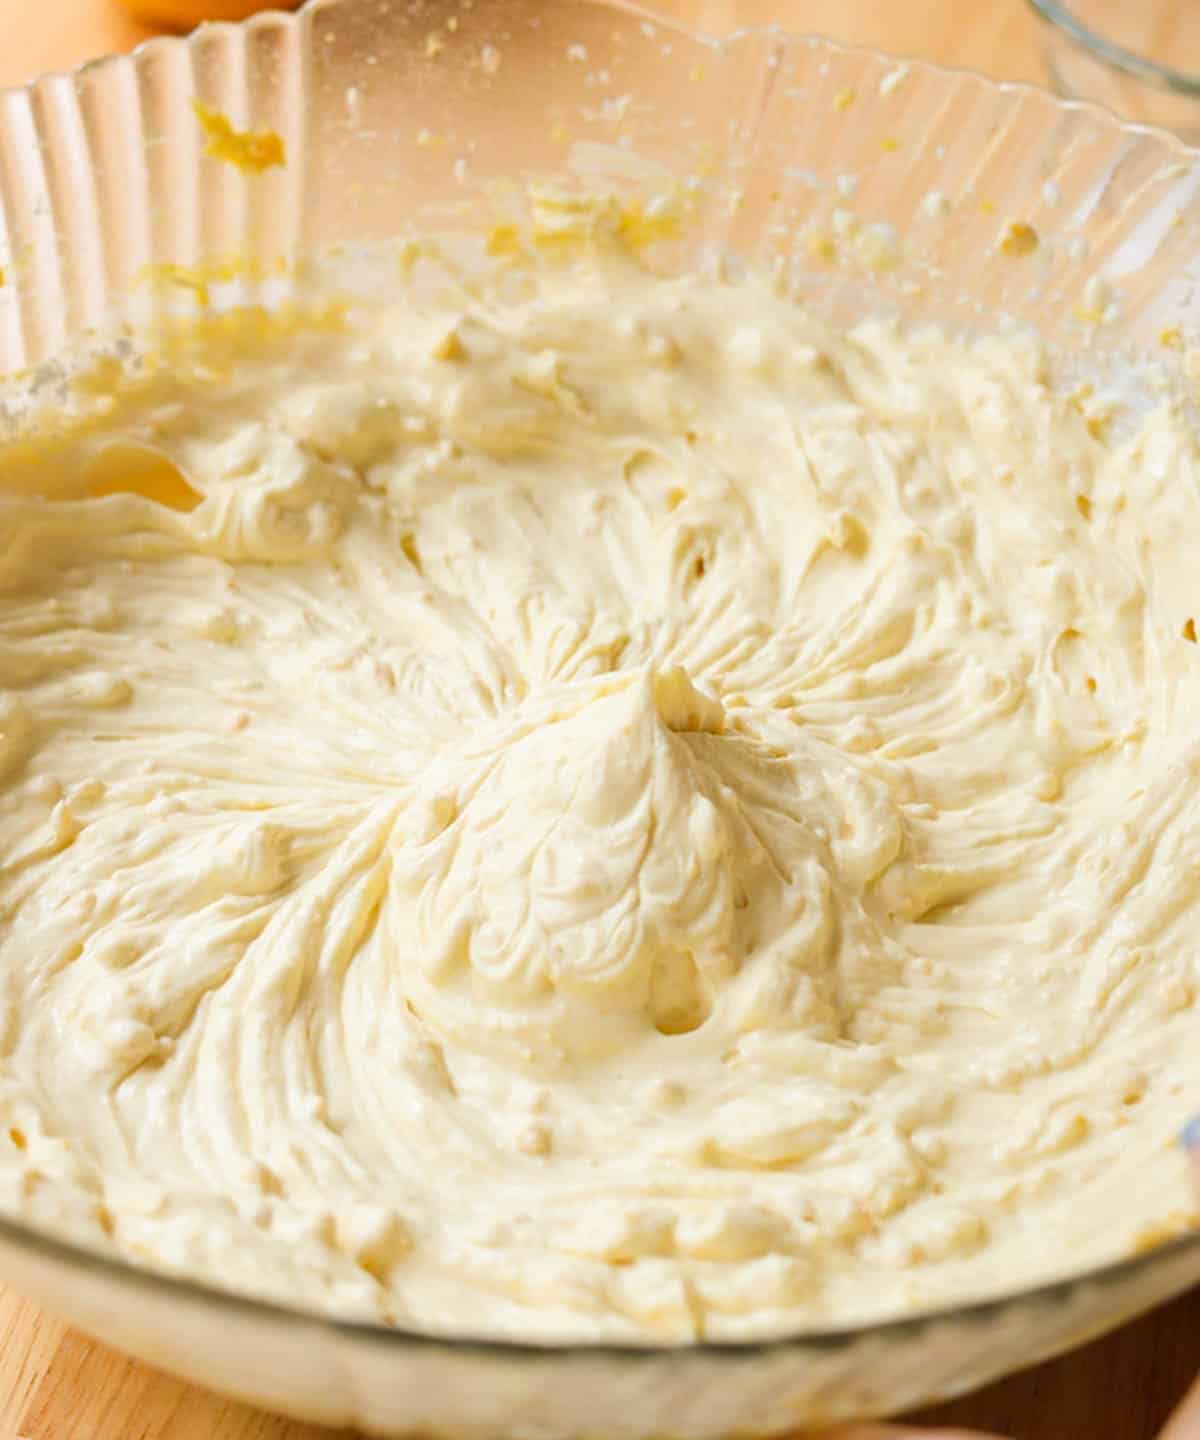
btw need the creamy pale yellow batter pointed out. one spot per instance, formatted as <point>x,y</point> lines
<point>602,807</point>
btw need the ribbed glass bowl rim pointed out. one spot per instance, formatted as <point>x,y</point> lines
<point>1163,77</point>
<point>1049,1293</point>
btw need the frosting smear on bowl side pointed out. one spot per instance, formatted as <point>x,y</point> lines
<point>600,806</point>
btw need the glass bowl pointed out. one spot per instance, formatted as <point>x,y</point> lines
<point>1141,60</point>
<point>112,214</point>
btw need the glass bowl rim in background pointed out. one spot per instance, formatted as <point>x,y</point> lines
<point>1060,16</point>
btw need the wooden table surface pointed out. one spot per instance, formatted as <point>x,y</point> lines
<point>57,1385</point>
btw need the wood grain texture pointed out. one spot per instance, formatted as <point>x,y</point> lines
<point>57,1385</point>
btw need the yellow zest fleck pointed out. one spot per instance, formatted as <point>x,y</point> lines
<point>1019,239</point>
<point>638,226</point>
<point>844,99</point>
<point>408,252</point>
<point>1091,684</point>
<point>889,144</point>
<point>250,150</point>
<point>434,45</point>
<point>558,132</point>
<point>181,276</point>
<point>1171,337</point>
<point>1189,630</point>
<point>218,340</point>
<point>449,347</point>
<point>215,271</point>
<point>1097,426</point>
<point>820,245</point>
<point>987,207</point>
<point>1084,506</point>
<point>696,73</point>
<point>3,277</point>
<point>503,240</point>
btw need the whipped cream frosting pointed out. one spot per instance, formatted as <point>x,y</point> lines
<point>600,806</point>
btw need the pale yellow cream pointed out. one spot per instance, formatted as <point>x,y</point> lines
<point>602,807</point>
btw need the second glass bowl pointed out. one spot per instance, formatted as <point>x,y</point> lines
<point>1141,60</point>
